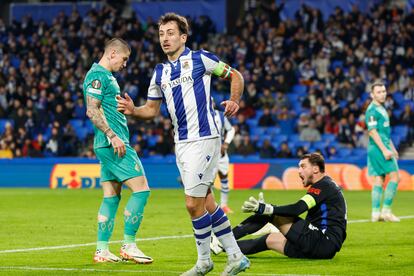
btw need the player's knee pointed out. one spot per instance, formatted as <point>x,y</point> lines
<point>102,218</point>
<point>194,209</point>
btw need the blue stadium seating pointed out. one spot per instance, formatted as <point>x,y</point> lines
<point>76,123</point>
<point>81,133</point>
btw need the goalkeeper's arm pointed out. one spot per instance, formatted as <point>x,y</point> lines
<point>291,210</point>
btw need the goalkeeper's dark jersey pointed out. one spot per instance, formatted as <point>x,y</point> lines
<point>330,212</point>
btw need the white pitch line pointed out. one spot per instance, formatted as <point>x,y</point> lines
<point>29,268</point>
<point>368,220</point>
<point>89,244</point>
<point>143,239</point>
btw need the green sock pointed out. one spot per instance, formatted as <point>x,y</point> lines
<point>133,214</point>
<point>389,194</point>
<point>376,195</point>
<point>108,210</point>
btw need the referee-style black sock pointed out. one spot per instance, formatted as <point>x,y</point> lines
<point>250,225</point>
<point>249,247</point>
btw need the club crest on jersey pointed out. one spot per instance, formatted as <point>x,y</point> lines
<point>186,65</point>
<point>96,84</point>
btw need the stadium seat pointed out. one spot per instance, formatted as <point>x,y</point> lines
<point>299,89</point>
<point>81,133</point>
<point>328,137</point>
<point>402,131</point>
<point>344,152</point>
<point>287,126</point>
<point>76,123</point>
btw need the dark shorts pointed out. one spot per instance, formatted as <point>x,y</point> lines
<point>307,241</point>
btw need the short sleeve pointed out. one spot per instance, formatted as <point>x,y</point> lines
<point>227,124</point>
<point>318,193</point>
<point>154,90</point>
<point>95,86</point>
<point>211,62</point>
<point>371,119</point>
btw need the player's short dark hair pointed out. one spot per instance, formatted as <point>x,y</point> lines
<point>117,42</point>
<point>180,20</point>
<point>316,159</point>
<point>375,84</point>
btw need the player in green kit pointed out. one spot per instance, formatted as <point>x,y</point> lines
<point>382,155</point>
<point>119,162</point>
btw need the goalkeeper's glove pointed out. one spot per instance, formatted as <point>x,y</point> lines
<point>257,206</point>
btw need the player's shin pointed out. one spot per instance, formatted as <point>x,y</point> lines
<point>389,195</point>
<point>253,246</point>
<point>133,215</point>
<point>202,234</point>
<point>106,220</point>
<point>222,230</point>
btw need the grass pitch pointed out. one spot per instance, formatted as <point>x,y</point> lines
<point>48,232</point>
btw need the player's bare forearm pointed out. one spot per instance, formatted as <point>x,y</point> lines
<point>95,115</point>
<point>373,133</point>
<point>148,111</point>
<point>236,86</point>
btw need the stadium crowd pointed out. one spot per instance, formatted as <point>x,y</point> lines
<point>306,80</point>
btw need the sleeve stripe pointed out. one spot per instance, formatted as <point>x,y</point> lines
<point>154,98</point>
<point>309,200</point>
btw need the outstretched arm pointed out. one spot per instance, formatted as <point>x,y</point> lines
<point>146,112</point>
<point>291,210</point>
<point>96,116</point>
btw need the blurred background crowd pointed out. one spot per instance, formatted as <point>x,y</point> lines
<point>306,80</point>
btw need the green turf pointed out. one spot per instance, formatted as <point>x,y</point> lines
<point>32,218</point>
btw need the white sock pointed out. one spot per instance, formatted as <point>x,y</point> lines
<point>202,234</point>
<point>224,191</point>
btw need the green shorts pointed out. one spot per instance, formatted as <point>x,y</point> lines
<point>119,168</point>
<point>378,166</point>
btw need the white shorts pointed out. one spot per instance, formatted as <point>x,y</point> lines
<point>223,164</point>
<point>196,162</point>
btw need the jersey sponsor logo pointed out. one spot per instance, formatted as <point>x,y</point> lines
<point>75,176</point>
<point>96,84</point>
<point>176,82</point>
<point>314,191</point>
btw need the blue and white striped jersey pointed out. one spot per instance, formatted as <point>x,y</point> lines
<point>185,87</point>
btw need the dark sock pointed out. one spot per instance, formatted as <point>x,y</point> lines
<point>250,225</point>
<point>249,247</point>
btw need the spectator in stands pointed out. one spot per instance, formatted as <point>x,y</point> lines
<point>242,127</point>
<point>300,151</point>
<point>266,100</point>
<point>246,147</point>
<point>284,151</point>
<point>310,133</point>
<point>266,120</point>
<point>407,118</point>
<point>52,147</point>
<point>267,150</point>
<point>303,122</point>
<point>346,134</point>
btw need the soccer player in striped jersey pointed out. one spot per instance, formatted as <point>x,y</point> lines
<point>183,83</point>
<point>227,132</point>
<point>382,155</point>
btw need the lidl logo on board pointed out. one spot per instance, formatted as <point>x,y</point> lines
<point>75,176</point>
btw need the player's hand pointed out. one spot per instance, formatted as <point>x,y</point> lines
<point>253,205</point>
<point>119,146</point>
<point>387,154</point>
<point>396,155</point>
<point>261,198</point>
<point>224,148</point>
<point>230,108</point>
<point>126,105</point>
